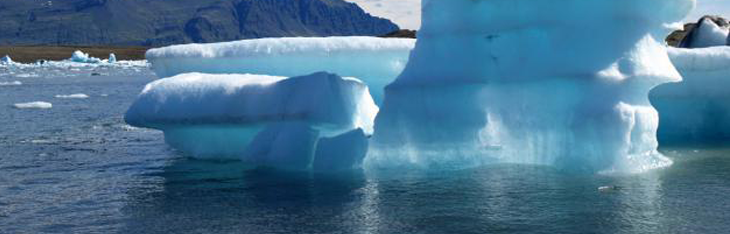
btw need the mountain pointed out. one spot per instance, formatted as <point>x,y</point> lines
<point>165,22</point>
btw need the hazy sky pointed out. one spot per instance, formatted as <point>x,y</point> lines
<point>406,13</point>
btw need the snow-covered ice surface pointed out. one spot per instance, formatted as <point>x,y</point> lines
<point>262,119</point>
<point>33,105</point>
<point>696,110</point>
<point>375,61</point>
<point>523,81</point>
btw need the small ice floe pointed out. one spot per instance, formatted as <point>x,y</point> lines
<point>27,75</point>
<point>6,60</point>
<point>609,188</point>
<point>73,96</point>
<point>11,83</point>
<point>42,142</point>
<point>104,95</point>
<point>33,105</point>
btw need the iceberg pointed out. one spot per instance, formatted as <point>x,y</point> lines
<point>265,120</point>
<point>696,110</point>
<point>81,57</point>
<point>376,61</point>
<point>530,81</point>
<point>112,58</point>
<point>6,60</point>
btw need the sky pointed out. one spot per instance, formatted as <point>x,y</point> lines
<point>407,13</point>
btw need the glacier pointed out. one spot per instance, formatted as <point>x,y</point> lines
<point>375,61</point>
<point>265,120</point>
<point>696,110</point>
<point>540,88</point>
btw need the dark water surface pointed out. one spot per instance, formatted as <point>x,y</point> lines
<point>77,168</point>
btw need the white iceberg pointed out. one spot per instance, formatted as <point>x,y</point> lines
<point>112,58</point>
<point>6,60</point>
<point>530,81</point>
<point>260,119</point>
<point>33,105</point>
<point>375,61</point>
<point>696,110</point>
<point>81,57</point>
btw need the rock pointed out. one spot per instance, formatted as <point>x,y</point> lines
<point>403,33</point>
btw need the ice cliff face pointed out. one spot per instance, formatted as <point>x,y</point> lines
<point>165,22</point>
<point>696,111</point>
<point>523,81</point>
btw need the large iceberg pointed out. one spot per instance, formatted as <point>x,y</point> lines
<point>265,120</point>
<point>561,83</point>
<point>376,61</point>
<point>697,110</point>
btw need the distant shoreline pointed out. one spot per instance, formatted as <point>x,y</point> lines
<point>29,54</point>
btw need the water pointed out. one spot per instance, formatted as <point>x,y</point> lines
<point>77,168</point>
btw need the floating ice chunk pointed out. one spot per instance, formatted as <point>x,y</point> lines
<point>112,58</point>
<point>11,83</point>
<point>33,105</point>
<point>268,120</point>
<point>73,96</point>
<point>81,57</point>
<point>609,188</point>
<point>697,110</point>
<point>376,61</point>
<point>6,60</point>
<point>27,75</point>
<point>525,81</point>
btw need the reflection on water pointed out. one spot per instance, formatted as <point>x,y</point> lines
<point>198,196</point>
